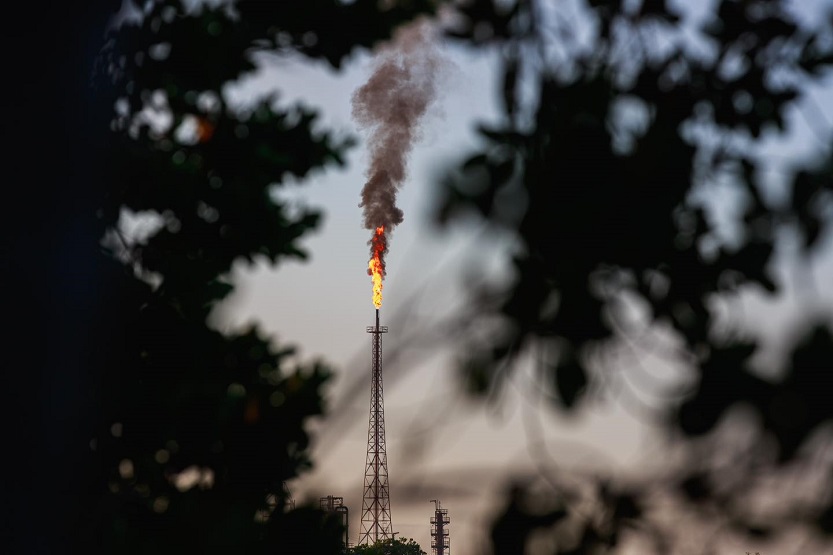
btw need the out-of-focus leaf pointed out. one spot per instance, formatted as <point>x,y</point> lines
<point>510,84</point>
<point>570,382</point>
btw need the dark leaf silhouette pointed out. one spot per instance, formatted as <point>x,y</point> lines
<point>606,161</point>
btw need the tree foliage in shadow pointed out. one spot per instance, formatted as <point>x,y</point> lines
<point>188,434</point>
<point>616,122</point>
<point>395,546</point>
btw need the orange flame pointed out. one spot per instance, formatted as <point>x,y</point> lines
<point>376,266</point>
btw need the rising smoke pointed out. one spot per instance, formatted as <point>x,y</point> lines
<point>390,107</point>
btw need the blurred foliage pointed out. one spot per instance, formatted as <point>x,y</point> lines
<point>618,119</point>
<point>138,429</point>
<point>396,546</point>
<point>187,434</point>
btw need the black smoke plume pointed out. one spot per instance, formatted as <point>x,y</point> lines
<point>390,107</point>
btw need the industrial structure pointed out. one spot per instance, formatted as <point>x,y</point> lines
<point>334,506</point>
<point>440,543</point>
<point>289,502</point>
<point>376,519</point>
<point>273,505</point>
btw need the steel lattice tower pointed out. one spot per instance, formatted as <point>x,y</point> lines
<point>376,522</point>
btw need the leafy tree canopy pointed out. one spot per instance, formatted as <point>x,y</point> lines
<point>188,434</point>
<point>396,546</point>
